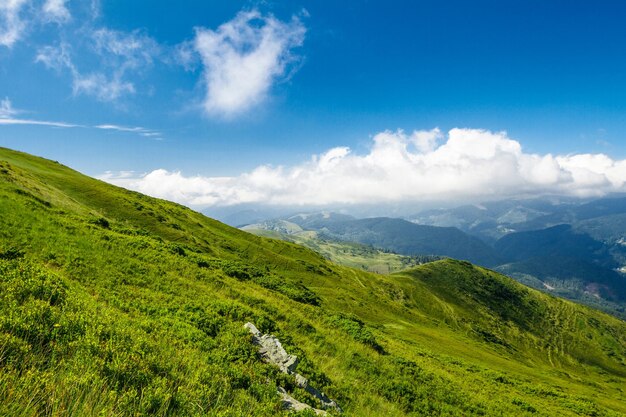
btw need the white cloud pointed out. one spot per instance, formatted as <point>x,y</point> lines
<point>148,133</point>
<point>6,109</point>
<point>398,168</point>
<point>55,57</point>
<point>426,140</point>
<point>131,50</point>
<point>56,11</point>
<point>8,113</point>
<point>138,130</point>
<point>242,59</point>
<point>102,87</point>
<point>11,24</point>
<point>184,54</point>
<point>12,121</point>
<point>118,53</point>
<point>17,15</point>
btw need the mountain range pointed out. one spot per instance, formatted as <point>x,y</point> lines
<point>571,248</point>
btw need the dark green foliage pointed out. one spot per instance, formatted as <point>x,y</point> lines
<point>524,405</point>
<point>357,329</point>
<point>33,197</point>
<point>265,279</point>
<point>11,253</point>
<point>101,222</point>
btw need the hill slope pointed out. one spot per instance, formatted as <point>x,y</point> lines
<point>114,303</point>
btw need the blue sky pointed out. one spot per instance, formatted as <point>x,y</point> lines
<point>160,86</point>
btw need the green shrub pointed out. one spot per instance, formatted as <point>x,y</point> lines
<point>357,329</point>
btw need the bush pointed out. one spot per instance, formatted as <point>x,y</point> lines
<point>353,326</point>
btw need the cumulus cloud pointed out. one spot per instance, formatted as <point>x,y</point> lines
<point>11,23</point>
<point>56,11</point>
<point>242,58</point>
<point>398,168</point>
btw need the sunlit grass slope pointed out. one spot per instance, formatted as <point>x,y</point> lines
<point>114,303</point>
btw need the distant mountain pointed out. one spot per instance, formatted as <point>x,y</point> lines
<point>492,220</point>
<point>407,238</point>
<point>245,214</point>
<point>395,235</point>
<point>584,261</point>
<point>316,221</point>
<point>556,241</point>
<point>283,227</point>
<point>350,254</point>
<point>567,262</point>
<point>610,228</point>
<point>570,247</point>
<point>598,208</point>
<point>563,272</point>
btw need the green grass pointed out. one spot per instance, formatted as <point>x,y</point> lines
<point>114,303</point>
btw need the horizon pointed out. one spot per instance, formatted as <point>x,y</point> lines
<point>315,105</point>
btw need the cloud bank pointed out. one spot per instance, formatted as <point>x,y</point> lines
<point>399,168</point>
<point>242,58</point>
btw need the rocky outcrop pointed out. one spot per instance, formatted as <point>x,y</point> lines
<point>272,352</point>
<point>290,403</point>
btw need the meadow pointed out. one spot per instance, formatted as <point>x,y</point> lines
<point>115,303</point>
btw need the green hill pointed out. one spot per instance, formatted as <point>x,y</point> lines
<point>114,303</point>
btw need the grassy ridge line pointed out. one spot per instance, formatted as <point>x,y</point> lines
<point>167,303</point>
<point>526,319</point>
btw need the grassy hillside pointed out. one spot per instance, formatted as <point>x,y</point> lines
<point>114,303</point>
